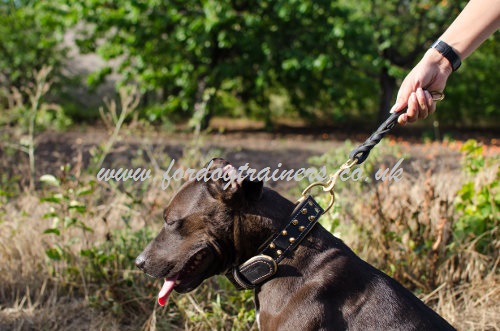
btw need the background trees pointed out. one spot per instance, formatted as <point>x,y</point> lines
<point>30,37</point>
<point>332,61</point>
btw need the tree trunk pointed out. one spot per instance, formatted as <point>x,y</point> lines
<point>203,106</point>
<point>205,122</point>
<point>387,89</point>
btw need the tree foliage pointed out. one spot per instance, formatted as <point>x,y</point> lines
<point>245,51</point>
<point>30,38</point>
<point>321,60</point>
<point>472,92</point>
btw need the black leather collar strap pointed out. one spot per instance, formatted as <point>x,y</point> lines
<point>263,266</point>
<point>448,53</point>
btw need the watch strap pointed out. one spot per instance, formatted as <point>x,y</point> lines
<point>448,52</point>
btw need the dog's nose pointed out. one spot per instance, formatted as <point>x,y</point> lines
<point>140,261</point>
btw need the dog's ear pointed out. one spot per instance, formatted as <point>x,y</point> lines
<point>252,189</point>
<point>226,183</point>
<point>221,184</point>
<point>215,163</point>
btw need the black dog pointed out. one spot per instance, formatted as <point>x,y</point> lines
<point>321,285</point>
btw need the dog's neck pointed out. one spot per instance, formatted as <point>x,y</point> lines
<point>274,208</point>
<point>268,216</point>
<point>258,222</point>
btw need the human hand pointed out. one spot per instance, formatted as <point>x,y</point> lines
<point>422,87</point>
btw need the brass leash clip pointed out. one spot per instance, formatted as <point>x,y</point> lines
<point>329,185</point>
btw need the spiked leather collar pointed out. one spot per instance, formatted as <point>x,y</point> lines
<point>263,266</point>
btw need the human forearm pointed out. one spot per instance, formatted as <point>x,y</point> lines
<point>478,20</point>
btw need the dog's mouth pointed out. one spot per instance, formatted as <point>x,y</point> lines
<point>195,270</point>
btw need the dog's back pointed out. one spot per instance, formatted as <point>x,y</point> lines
<point>325,286</point>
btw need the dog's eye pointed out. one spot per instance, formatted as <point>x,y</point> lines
<point>173,221</point>
<point>167,218</point>
<point>170,221</point>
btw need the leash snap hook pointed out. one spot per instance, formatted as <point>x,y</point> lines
<point>330,184</point>
<point>333,178</point>
<point>325,189</point>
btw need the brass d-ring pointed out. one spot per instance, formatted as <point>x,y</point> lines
<point>437,96</point>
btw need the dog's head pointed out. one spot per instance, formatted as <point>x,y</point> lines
<point>197,237</point>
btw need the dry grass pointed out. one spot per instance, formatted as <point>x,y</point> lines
<point>406,229</point>
<point>469,306</point>
<point>37,293</point>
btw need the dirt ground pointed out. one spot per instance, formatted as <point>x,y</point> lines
<point>291,147</point>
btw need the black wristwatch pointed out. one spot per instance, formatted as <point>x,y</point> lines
<point>448,53</point>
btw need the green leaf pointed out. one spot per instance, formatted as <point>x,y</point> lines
<point>54,254</point>
<point>75,205</point>
<point>52,231</point>
<point>56,198</point>
<point>87,252</point>
<point>290,64</point>
<point>49,214</point>
<point>79,208</point>
<point>467,192</point>
<point>85,191</point>
<point>69,222</point>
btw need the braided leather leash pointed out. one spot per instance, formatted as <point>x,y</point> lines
<point>356,157</point>
<point>361,152</point>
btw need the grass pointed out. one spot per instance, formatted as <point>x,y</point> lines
<point>68,245</point>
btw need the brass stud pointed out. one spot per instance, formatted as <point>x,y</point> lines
<point>304,211</point>
<point>295,222</point>
<point>302,228</point>
<point>292,240</point>
<point>311,218</point>
<point>279,252</point>
<point>310,203</point>
<point>284,232</point>
<point>272,246</point>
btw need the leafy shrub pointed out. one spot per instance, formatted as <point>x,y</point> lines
<point>478,201</point>
<point>31,35</point>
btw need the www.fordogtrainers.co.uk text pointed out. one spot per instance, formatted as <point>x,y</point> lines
<point>236,175</point>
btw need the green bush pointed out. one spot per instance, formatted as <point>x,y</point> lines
<point>31,35</point>
<point>478,201</point>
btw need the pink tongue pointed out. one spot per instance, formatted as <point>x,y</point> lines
<point>168,287</point>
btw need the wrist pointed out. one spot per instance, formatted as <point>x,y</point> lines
<point>433,56</point>
<point>448,53</point>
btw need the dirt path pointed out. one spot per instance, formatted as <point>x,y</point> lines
<point>259,149</point>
